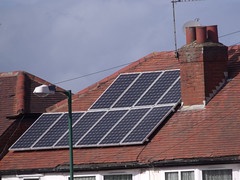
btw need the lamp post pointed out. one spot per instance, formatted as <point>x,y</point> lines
<point>43,91</point>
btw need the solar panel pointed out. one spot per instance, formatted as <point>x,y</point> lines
<point>147,125</point>
<point>36,131</point>
<point>56,131</point>
<point>126,113</point>
<point>124,126</point>
<point>81,127</point>
<point>159,88</point>
<point>114,91</point>
<point>173,95</point>
<point>100,129</point>
<point>137,89</point>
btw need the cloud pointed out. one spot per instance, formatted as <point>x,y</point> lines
<point>63,39</point>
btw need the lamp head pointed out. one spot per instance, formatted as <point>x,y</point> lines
<point>44,90</point>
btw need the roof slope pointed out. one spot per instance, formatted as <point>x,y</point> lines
<point>185,135</point>
<point>210,132</point>
<point>17,100</point>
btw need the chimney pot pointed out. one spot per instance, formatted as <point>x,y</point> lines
<point>212,33</point>
<point>201,34</point>
<point>190,34</point>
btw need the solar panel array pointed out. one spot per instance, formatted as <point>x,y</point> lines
<point>127,113</point>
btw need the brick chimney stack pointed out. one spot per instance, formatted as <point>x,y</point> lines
<point>203,65</point>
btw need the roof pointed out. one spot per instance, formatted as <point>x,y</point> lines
<point>17,100</point>
<point>82,100</point>
<point>182,139</point>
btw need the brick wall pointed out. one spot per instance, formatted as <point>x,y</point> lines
<point>203,64</point>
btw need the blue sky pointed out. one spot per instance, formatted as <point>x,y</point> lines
<point>59,40</point>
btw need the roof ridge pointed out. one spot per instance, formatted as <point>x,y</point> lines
<point>101,82</point>
<point>124,69</point>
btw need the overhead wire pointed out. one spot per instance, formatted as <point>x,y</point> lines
<point>235,32</point>
<point>97,72</point>
<point>108,69</point>
<point>229,34</point>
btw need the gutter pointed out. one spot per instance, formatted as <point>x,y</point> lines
<point>128,165</point>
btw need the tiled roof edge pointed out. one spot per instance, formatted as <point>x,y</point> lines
<point>197,161</point>
<point>130,165</point>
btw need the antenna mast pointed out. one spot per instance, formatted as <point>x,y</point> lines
<point>174,28</point>
<point>174,23</point>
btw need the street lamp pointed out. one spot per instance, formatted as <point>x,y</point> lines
<point>43,91</point>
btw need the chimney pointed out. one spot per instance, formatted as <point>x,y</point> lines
<point>203,65</point>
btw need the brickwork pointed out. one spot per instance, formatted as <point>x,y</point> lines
<point>203,65</point>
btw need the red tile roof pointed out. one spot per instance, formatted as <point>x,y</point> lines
<point>17,100</point>
<point>187,136</point>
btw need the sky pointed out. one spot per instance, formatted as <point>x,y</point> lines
<point>60,40</point>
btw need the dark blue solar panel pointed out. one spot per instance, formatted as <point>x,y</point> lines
<point>124,126</point>
<point>159,88</point>
<point>173,95</point>
<point>81,127</point>
<point>56,131</point>
<point>103,126</point>
<point>137,89</point>
<point>114,91</point>
<point>36,130</point>
<point>148,124</point>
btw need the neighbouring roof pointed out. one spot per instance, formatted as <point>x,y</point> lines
<point>17,100</point>
<point>187,137</point>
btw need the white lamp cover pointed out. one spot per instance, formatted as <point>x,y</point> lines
<point>43,91</point>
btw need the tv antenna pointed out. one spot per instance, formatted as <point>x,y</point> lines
<point>174,23</point>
